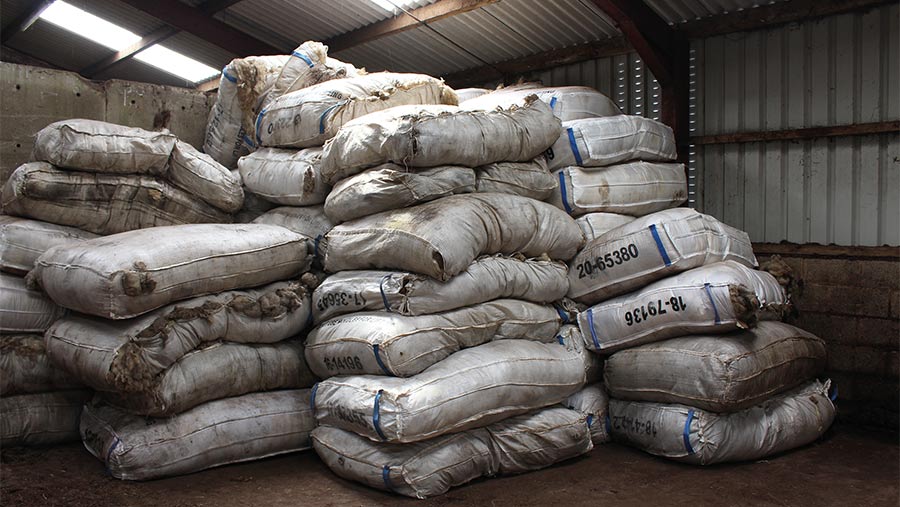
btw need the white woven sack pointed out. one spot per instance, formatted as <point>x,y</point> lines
<point>405,293</point>
<point>427,136</point>
<point>594,225</point>
<point>599,142</point>
<point>41,418</point>
<point>309,64</point>
<point>243,86</point>
<point>528,179</point>
<point>441,238</point>
<point>380,343</point>
<point>23,240</point>
<point>215,371</point>
<point>653,247</point>
<point>633,188</point>
<point>430,468</point>
<point>464,94</point>
<point>287,177</point>
<point>719,373</point>
<point>472,388</point>
<point>717,298</point>
<point>231,430</point>
<point>310,221</point>
<point>128,355</point>
<point>567,102</point>
<point>27,368</point>
<point>390,186</point>
<point>310,116</point>
<point>699,437</point>
<point>98,146</point>
<point>200,175</point>
<point>124,275</point>
<point>24,310</point>
<point>101,203</point>
<point>593,403</point>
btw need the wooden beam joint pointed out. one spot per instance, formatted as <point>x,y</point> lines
<point>859,129</point>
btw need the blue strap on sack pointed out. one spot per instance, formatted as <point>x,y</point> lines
<point>259,118</point>
<point>590,320</point>
<point>660,246</point>
<point>380,362</point>
<point>574,146</point>
<point>228,76</point>
<point>713,301</point>
<point>312,397</point>
<point>376,416</point>
<point>386,477</point>
<point>686,435</point>
<point>384,299</point>
<point>562,190</point>
<point>302,57</point>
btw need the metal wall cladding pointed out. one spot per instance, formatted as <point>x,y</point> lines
<point>678,11</point>
<point>835,71</point>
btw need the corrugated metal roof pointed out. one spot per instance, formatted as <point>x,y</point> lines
<point>680,11</point>
<point>55,45</point>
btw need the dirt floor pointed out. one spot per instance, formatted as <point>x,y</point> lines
<point>847,468</point>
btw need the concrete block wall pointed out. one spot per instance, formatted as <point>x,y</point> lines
<point>33,97</point>
<point>852,301</point>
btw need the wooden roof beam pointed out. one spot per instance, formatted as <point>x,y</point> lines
<point>404,21</point>
<point>195,21</point>
<point>25,20</point>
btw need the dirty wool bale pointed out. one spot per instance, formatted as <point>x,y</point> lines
<point>231,430</point>
<point>430,468</point>
<point>464,94</point>
<point>593,403</point>
<point>200,175</point>
<point>27,368</point>
<point>309,64</point>
<point>599,142</point>
<point>472,388</point>
<point>288,177</point>
<point>569,334</point>
<point>594,225</point>
<point>528,179</point>
<point>128,355</point>
<point>218,370</point>
<point>441,238</point>
<point>390,186</point>
<point>633,188</point>
<point>650,248</point>
<point>405,293</point>
<point>699,437</point>
<point>310,221</point>
<point>98,146</point>
<point>313,115</point>
<point>719,373</point>
<point>24,310</point>
<point>23,240</point>
<point>101,203</point>
<point>41,418</point>
<point>380,343</point>
<point>427,136</point>
<point>243,86</point>
<point>567,102</point>
<point>124,275</point>
<point>716,298</point>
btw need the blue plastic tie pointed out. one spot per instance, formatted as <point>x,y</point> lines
<point>562,314</point>
<point>384,299</point>
<point>560,339</point>
<point>376,417</point>
<point>562,189</point>
<point>228,76</point>
<point>574,146</point>
<point>380,363</point>
<point>302,57</point>
<point>590,320</point>
<point>552,102</point>
<point>659,246</point>
<point>312,396</point>
<point>686,435</point>
<point>258,124</point>
<point>324,114</point>
<point>386,477</point>
<point>115,444</point>
<point>590,420</point>
<point>713,301</point>
<point>249,142</point>
<point>316,246</point>
<point>608,424</point>
<point>834,393</point>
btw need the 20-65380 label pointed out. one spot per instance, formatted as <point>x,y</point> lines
<point>607,261</point>
<point>654,308</point>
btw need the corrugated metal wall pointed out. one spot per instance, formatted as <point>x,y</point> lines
<point>835,71</point>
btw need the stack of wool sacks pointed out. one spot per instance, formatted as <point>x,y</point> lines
<point>105,179</point>
<point>194,326</point>
<point>434,333</point>
<point>665,290</point>
<point>39,404</point>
